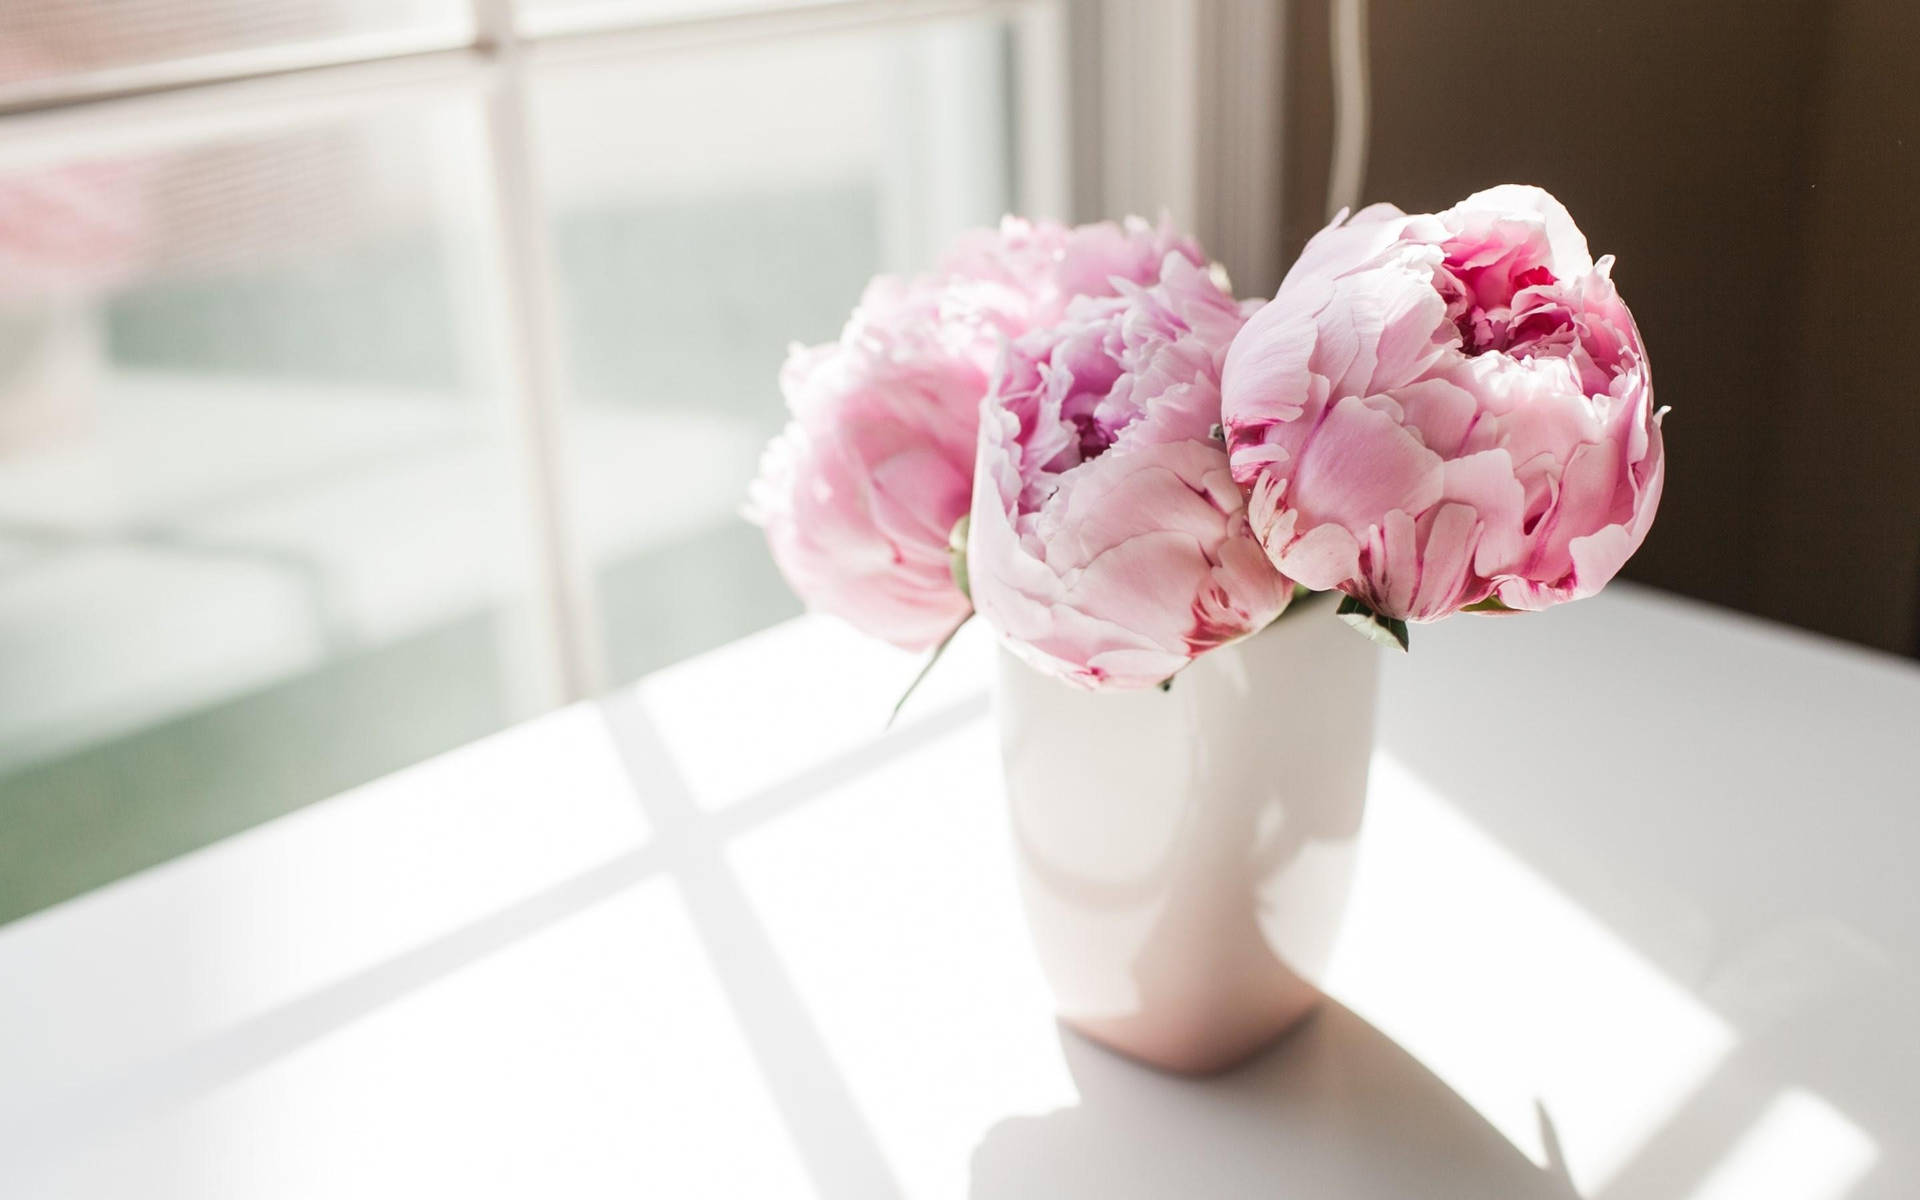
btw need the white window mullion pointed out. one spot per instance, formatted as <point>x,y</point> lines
<point>564,593</point>
<point>148,124</point>
<point>1044,131</point>
<point>151,78</point>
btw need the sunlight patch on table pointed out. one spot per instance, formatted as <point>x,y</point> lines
<point>753,714</point>
<point>914,965</point>
<point>597,1058</point>
<point>1801,1148</point>
<point>1519,999</point>
<point>258,921</point>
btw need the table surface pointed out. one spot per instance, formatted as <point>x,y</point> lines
<point>1635,918</point>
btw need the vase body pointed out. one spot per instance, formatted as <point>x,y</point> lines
<point>1184,855</point>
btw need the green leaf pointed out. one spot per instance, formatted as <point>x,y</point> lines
<point>957,559</point>
<point>1388,631</point>
<point>924,669</point>
<point>1492,604</point>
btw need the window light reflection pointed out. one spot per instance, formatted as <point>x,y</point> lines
<point>819,692</point>
<point>1801,1148</point>
<point>1511,992</point>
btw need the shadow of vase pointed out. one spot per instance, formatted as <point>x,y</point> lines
<point>1335,1109</point>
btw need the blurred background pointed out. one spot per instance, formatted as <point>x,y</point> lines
<point>377,373</point>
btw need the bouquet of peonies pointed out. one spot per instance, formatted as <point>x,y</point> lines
<point>1082,436</point>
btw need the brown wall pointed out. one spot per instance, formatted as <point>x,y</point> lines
<point>1844,449</point>
<point>1756,168</point>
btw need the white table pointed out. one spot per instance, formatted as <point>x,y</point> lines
<point>1636,916</point>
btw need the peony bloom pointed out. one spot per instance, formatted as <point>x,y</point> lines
<point>1450,410</point>
<point>1109,544</point>
<point>861,492</point>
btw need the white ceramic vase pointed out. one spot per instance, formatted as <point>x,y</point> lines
<point>1184,855</point>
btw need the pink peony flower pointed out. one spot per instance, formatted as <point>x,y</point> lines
<point>1109,544</point>
<point>860,493</point>
<point>1442,411</point>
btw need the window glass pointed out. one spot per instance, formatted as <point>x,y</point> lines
<point>260,528</point>
<point>708,209</point>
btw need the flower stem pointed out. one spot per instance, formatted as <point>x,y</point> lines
<point>924,668</point>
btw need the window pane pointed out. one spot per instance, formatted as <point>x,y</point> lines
<point>56,46</point>
<point>259,536</point>
<point>708,210</point>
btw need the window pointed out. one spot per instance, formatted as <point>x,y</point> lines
<point>351,413</point>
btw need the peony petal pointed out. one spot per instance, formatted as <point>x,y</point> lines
<point>1113,499</point>
<point>1569,245</point>
<point>1345,244</point>
<point>1323,558</point>
<point>1394,571</point>
<point>1145,584</point>
<point>1265,376</point>
<point>1446,560</point>
<point>1486,483</point>
<point>1440,411</point>
<point>1359,465</point>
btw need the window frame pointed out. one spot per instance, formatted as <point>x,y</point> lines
<point>1171,107</point>
<point>153,106</point>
